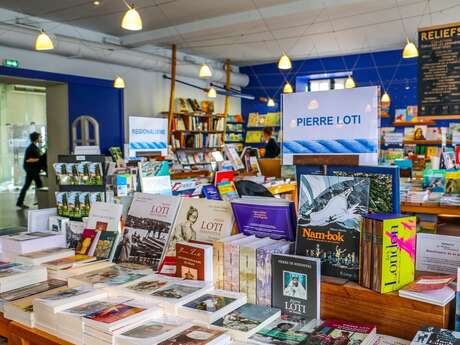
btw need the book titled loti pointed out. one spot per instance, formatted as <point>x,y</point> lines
<point>194,261</point>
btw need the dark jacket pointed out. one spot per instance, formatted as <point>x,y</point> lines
<point>272,149</point>
<point>32,151</point>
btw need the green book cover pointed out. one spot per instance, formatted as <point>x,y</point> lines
<point>398,253</point>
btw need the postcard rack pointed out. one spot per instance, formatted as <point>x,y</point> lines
<point>84,158</point>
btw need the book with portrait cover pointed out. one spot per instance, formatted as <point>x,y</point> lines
<point>194,261</point>
<point>148,228</point>
<point>198,335</point>
<point>247,320</point>
<point>198,220</point>
<point>329,224</point>
<point>296,282</point>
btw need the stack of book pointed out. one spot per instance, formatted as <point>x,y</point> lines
<point>28,242</point>
<point>102,326</point>
<point>42,256</point>
<point>14,276</point>
<point>47,307</point>
<point>197,335</point>
<point>71,266</point>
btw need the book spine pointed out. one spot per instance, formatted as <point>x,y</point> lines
<point>260,277</point>
<point>244,257</point>
<point>366,259</point>
<point>377,240</point>
<point>251,276</point>
<point>235,268</point>
<point>228,249</point>
<point>218,264</point>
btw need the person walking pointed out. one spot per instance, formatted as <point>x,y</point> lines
<point>272,149</point>
<point>32,166</point>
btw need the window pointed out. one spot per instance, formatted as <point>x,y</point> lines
<point>339,83</point>
<point>320,85</point>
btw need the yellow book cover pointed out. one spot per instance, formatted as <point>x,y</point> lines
<point>253,120</point>
<point>254,137</point>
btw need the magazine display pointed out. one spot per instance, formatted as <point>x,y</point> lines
<point>330,216</point>
<point>247,320</point>
<point>148,227</point>
<point>212,305</point>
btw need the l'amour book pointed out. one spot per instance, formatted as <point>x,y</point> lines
<point>329,224</point>
<point>265,217</point>
<point>296,283</point>
<point>247,320</point>
<point>388,254</point>
<point>148,228</point>
<point>194,261</point>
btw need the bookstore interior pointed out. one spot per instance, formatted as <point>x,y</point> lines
<point>253,172</point>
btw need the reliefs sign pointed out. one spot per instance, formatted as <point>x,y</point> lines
<point>439,70</point>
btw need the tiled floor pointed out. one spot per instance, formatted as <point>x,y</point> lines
<point>10,215</point>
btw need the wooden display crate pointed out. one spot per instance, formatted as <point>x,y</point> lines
<point>393,315</point>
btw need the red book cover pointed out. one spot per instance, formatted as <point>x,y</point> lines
<point>87,238</point>
<point>342,333</point>
<point>224,176</point>
<point>457,154</point>
<point>430,283</point>
<point>115,313</point>
<point>190,262</point>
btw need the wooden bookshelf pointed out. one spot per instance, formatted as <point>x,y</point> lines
<point>426,142</point>
<point>393,315</point>
<point>430,209</point>
<point>419,122</point>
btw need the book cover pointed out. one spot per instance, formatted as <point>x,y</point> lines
<point>284,331</point>
<point>264,270</point>
<point>69,262</point>
<point>457,305</point>
<point>150,329</point>
<point>176,291</point>
<point>148,229</point>
<point>89,308</point>
<point>112,276</point>
<point>246,317</point>
<point>104,216</point>
<point>87,238</point>
<point>210,303</point>
<point>210,192</point>
<point>342,332</point>
<point>232,263</point>
<point>105,244</point>
<point>329,225</point>
<point>192,261</point>
<point>201,220</point>
<point>262,218</point>
<point>147,286</point>
<point>436,336</point>
<point>114,313</point>
<point>194,335</point>
<point>296,286</point>
<point>30,290</point>
<point>67,293</point>
<point>227,191</point>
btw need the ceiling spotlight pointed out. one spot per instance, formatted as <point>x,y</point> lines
<point>119,83</point>
<point>410,50</point>
<point>97,3</point>
<point>287,88</point>
<point>43,42</point>
<point>131,20</point>
<point>270,102</point>
<point>205,71</point>
<point>350,83</point>
<point>212,93</point>
<point>284,62</point>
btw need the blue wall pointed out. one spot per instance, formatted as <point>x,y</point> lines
<point>399,77</point>
<point>87,96</point>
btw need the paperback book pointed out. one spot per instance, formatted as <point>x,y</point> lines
<point>348,333</point>
<point>148,227</point>
<point>198,335</point>
<point>218,259</point>
<point>330,215</point>
<point>194,261</point>
<point>106,245</point>
<point>296,283</point>
<point>108,277</point>
<point>42,256</point>
<point>105,217</point>
<point>436,336</point>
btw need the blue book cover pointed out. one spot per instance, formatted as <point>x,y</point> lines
<point>210,192</point>
<point>265,217</point>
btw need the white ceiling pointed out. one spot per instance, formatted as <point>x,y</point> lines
<point>254,31</point>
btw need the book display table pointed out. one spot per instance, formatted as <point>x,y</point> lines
<point>22,335</point>
<point>393,315</point>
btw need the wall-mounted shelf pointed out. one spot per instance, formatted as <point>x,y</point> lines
<point>196,132</point>
<point>414,123</point>
<point>426,142</point>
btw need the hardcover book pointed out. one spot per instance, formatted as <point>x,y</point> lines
<point>393,252</point>
<point>232,262</point>
<point>265,217</point>
<point>199,220</point>
<point>436,336</point>
<point>247,320</point>
<point>194,261</point>
<point>264,270</point>
<point>330,215</point>
<point>197,335</point>
<point>347,333</point>
<point>296,283</point>
<point>148,228</point>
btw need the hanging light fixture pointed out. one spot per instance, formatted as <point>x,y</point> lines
<point>284,62</point>
<point>43,42</point>
<point>212,93</point>
<point>350,83</point>
<point>205,71</point>
<point>385,98</point>
<point>131,20</point>
<point>410,50</point>
<point>119,83</point>
<point>287,88</point>
<point>270,102</point>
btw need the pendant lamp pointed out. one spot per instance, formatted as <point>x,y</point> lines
<point>43,42</point>
<point>410,50</point>
<point>287,88</point>
<point>205,71</point>
<point>350,83</point>
<point>284,62</point>
<point>119,83</point>
<point>212,93</point>
<point>271,102</point>
<point>131,20</point>
<point>385,98</point>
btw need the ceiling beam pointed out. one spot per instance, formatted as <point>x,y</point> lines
<point>166,33</point>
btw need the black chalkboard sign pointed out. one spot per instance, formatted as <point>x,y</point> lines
<point>439,70</point>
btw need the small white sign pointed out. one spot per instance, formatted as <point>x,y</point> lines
<point>148,134</point>
<point>438,253</point>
